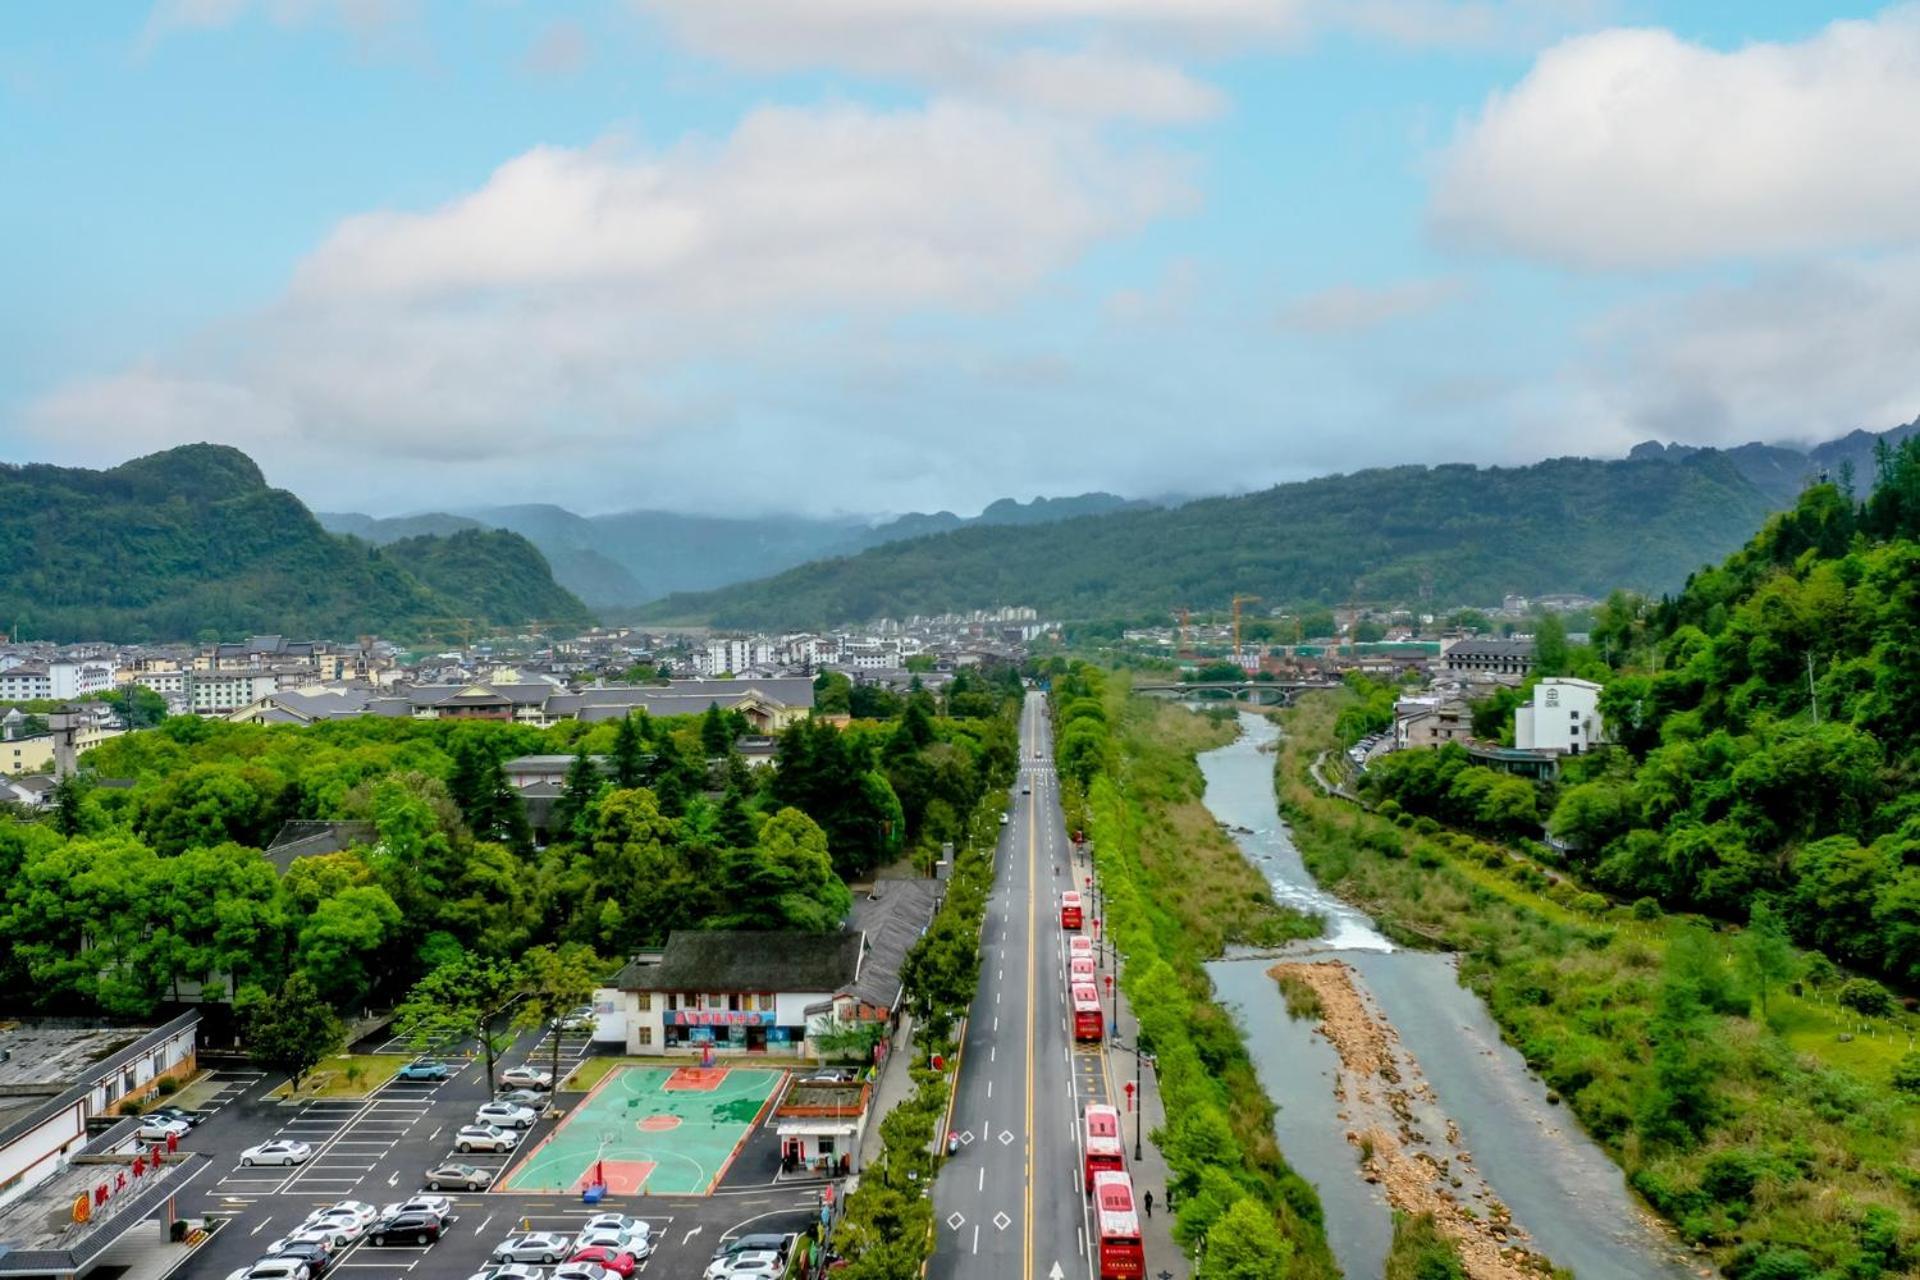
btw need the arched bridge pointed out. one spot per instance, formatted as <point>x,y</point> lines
<point>1261,693</point>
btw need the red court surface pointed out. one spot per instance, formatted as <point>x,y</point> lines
<point>694,1080</point>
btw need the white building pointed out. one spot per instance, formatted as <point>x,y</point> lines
<point>1564,717</point>
<point>68,680</point>
<point>25,681</point>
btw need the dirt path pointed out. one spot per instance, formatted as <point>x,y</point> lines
<point>1406,1144</point>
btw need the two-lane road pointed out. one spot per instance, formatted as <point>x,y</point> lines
<point>1009,1206</point>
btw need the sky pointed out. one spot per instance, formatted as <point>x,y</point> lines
<point>833,256</point>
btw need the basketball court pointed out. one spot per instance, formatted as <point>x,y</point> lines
<point>663,1131</point>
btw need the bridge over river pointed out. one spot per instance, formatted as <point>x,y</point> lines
<point>1261,693</point>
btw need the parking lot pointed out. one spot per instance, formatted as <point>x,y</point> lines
<point>378,1149</point>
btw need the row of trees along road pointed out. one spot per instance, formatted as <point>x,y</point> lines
<point>130,897</point>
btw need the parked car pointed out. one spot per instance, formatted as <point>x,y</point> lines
<point>171,1112</point>
<point>424,1069</point>
<point>359,1212</point>
<point>506,1115</point>
<point>283,1151</point>
<point>1003,819</point>
<point>534,1246</point>
<point>338,1233</point>
<point>508,1271</point>
<point>317,1254</point>
<point>617,1222</point>
<point>157,1128</point>
<point>485,1137</point>
<point>754,1242</point>
<point>637,1240</point>
<point>412,1227</point>
<point>619,1261</point>
<point>527,1078</point>
<point>460,1177</point>
<point>532,1099</point>
<point>304,1236</point>
<point>439,1206</point>
<point>580,1019</point>
<point>582,1271</point>
<point>754,1264</point>
<point>273,1269</point>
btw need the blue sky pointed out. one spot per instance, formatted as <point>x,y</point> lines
<point>880,255</point>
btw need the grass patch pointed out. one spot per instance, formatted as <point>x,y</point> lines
<point>346,1075</point>
<point>1302,1000</point>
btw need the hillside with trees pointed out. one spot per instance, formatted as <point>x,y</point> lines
<point>496,576</point>
<point>192,543</point>
<point>1457,532</point>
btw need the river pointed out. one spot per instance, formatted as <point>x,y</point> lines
<point>1561,1188</point>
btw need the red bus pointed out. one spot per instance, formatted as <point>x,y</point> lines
<point>1080,945</point>
<point>1070,909</point>
<point>1080,972</point>
<point>1104,1151</point>
<point>1117,1227</point>
<point>1087,1022</point>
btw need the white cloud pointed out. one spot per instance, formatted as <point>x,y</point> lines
<point>1096,58</point>
<point>1800,353</point>
<point>1633,148</point>
<point>613,305</point>
<point>1350,308</point>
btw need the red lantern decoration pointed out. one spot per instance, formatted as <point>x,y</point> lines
<point>100,1194</point>
<point>1129,1089</point>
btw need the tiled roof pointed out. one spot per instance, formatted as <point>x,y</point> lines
<point>725,960</point>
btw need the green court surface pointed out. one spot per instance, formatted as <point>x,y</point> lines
<point>664,1131</point>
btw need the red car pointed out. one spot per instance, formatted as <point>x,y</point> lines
<point>618,1261</point>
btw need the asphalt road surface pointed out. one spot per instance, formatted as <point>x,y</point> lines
<point>1011,1204</point>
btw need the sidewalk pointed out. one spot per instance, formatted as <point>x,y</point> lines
<point>894,1087</point>
<point>1150,1171</point>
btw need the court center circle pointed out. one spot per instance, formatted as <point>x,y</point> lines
<point>657,1123</point>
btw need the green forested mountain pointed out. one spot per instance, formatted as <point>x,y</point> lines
<point>1468,533</point>
<point>495,576</point>
<point>192,542</point>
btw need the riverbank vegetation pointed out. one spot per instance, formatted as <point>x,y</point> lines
<point>1765,1139</point>
<point>1175,891</point>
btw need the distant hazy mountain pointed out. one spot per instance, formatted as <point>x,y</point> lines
<point>1460,533</point>
<point>629,557</point>
<point>1781,471</point>
<point>192,541</point>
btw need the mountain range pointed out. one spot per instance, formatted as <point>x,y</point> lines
<point>192,543</point>
<point>630,557</point>
<point>1451,534</point>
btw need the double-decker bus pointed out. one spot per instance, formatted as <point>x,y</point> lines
<point>1117,1227</point>
<point>1104,1152</point>
<point>1070,909</point>
<point>1088,1026</point>
<point>1080,972</point>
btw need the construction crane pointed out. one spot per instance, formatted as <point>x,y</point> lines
<point>1180,650</point>
<point>1237,602</point>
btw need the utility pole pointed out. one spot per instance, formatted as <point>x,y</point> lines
<point>1139,1095</point>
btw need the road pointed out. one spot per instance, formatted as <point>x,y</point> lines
<point>1011,1205</point>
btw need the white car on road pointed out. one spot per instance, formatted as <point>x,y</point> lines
<point>506,1115</point>
<point>535,1246</point>
<point>159,1129</point>
<point>279,1151</point>
<point>527,1078</point>
<point>485,1137</point>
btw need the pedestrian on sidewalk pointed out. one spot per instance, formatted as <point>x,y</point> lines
<point>1149,1201</point>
